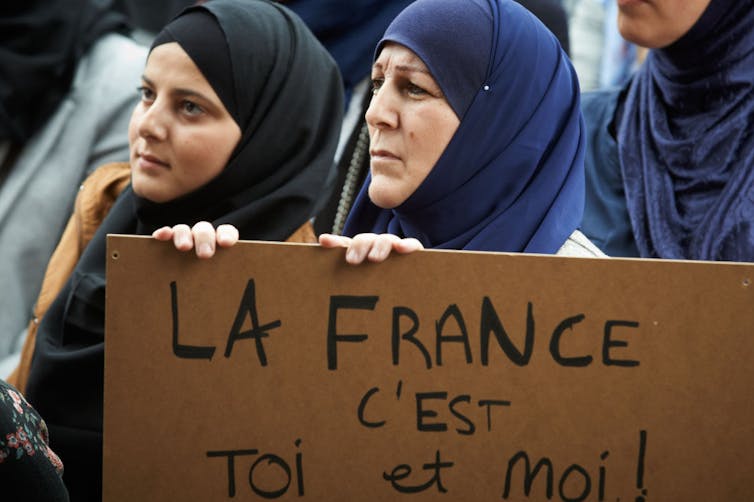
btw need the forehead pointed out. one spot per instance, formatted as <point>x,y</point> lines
<point>398,56</point>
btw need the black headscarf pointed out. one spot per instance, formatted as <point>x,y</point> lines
<point>282,96</point>
<point>285,93</point>
<point>41,43</point>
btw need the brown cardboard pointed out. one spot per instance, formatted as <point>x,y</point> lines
<point>663,413</point>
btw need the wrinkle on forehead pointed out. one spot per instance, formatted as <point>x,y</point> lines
<point>401,59</point>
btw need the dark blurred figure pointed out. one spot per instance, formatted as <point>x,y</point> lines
<point>68,74</point>
<point>349,30</point>
<point>150,15</point>
<point>40,44</point>
<point>553,15</point>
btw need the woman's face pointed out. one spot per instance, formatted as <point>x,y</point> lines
<point>410,124</point>
<point>658,23</point>
<point>180,134</point>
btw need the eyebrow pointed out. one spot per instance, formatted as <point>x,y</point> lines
<point>404,68</point>
<point>180,91</point>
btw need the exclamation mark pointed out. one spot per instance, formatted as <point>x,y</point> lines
<point>640,467</point>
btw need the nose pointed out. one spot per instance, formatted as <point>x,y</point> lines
<point>152,123</point>
<point>383,111</point>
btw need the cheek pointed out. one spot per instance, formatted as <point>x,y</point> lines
<point>223,146</point>
<point>424,146</point>
<point>433,133</point>
<point>205,156</point>
<point>133,126</point>
<point>193,155</point>
<point>692,11</point>
<point>419,134</point>
<point>187,147</point>
<point>424,153</point>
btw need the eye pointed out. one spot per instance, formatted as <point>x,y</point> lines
<point>191,108</point>
<point>146,93</point>
<point>415,90</point>
<point>376,84</point>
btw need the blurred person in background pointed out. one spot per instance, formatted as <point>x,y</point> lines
<point>149,16</point>
<point>601,56</point>
<point>670,159</point>
<point>67,69</point>
<point>554,16</point>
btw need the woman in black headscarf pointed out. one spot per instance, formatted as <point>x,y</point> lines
<point>238,124</point>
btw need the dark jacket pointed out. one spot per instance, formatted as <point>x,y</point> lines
<point>606,221</point>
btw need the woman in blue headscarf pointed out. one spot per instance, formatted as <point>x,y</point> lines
<point>476,137</point>
<point>670,165</point>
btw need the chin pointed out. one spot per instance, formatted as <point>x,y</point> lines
<point>145,193</point>
<point>383,198</point>
<point>642,34</point>
<point>382,203</point>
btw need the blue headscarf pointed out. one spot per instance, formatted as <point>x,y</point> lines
<point>511,178</point>
<point>686,141</point>
<point>349,30</point>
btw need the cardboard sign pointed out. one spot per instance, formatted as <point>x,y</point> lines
<point>277,371</point>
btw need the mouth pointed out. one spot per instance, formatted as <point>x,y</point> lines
<point>147,160</point>
<point>629,3</point>
<point>383,155</point>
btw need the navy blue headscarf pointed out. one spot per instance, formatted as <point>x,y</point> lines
<point>349,30</point>
<point>511,178</point>
<point>687,141</point>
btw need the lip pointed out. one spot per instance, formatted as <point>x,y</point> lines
<point>383,155</point>
<point>149,161</point>
<point>628,3</point>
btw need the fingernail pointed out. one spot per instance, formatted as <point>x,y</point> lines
<point>205,249</point>
<point>352,256</point>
